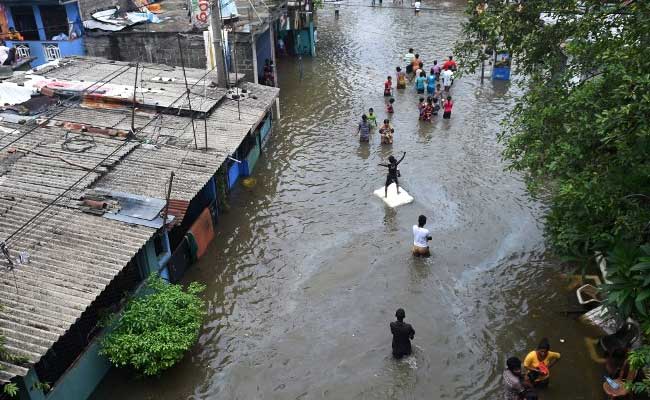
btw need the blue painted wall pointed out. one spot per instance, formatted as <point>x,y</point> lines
<point>233,174</point>
<point>263,49</point>
<point>200,202</point>
<point>9,17</point>
<point>74,16</point>
<point>39,22</point>
<point>67,47</point>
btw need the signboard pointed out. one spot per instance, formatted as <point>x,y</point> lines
<point>201,11</point>
<point>501,70</point>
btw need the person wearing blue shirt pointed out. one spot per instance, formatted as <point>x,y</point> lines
<point>431,82</point>
<point>420,82</point>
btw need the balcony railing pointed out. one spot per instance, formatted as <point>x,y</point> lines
<point>46,51</point>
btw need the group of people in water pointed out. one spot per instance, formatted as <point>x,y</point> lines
<point>439,97</point>
<point>437,86</point>
<point>520,381</point>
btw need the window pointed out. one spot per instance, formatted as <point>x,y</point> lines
<point>24,21</point>
<point>51,51</point>
<point>23,51</point>
<point>55,21</point>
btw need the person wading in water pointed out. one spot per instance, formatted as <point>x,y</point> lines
<point>403,333</point>
<point>421,237</point>
<point>393,172</point>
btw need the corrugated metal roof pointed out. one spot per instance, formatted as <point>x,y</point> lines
<point>158,85</point>
<point>73,256</point>
<point>146,172</point>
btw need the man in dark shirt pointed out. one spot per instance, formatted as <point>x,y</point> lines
<point>403,333</point>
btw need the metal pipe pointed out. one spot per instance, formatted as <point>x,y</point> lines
<point>135,87</point>
<point>236,80</point>
<point>169,193</point>
<point>187,88</point>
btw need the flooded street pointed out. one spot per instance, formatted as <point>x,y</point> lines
<point>308,267</point>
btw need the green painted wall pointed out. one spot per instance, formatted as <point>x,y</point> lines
<point>27,389</point>
<point>252,158</point>
<point>84,376</point>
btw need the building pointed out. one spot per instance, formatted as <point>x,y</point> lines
<point>155,41</point>
<point>96,194</point>
<point>50,29</point>
<point>251,30</point>
<point>297,28</point>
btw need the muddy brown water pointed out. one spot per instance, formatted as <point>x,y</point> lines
<point>308,267</point>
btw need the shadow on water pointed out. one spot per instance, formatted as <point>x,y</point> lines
<point>308,267</point>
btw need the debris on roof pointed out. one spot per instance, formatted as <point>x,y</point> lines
<point>87,181</point>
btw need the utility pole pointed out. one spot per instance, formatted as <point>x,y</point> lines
<point>219,46</point>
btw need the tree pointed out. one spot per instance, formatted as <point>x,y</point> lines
<point>154,331</point>
<point>581,132</point>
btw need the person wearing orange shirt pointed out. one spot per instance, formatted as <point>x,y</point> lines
<point>14,34</point>
<point>539,362</point>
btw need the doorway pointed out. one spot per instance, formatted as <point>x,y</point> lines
<point>25,22</point>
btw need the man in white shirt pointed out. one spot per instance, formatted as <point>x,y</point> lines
<point>4,52</point>
<point>408,59</point>
<point>421,237</point>
<point>447,79</point>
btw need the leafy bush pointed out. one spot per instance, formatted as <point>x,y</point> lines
<point>581,133</point>
<point>638,360</point>
<point>628,269</point>
<point>154,331</point>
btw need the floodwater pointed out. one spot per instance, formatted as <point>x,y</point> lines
<point>309,267</point>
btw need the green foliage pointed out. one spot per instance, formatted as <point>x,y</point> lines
<point>42,386</point>
<point>581,133</point>
<point>628,269</point>
<point>10,389</point>
<point>639,359</point>
<point>156,330</point>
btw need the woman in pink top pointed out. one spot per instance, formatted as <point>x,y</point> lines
<point>447,105</point>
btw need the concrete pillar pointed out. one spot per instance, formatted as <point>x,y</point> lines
<point>254,44</point>
<point>39,23</point>
<point>272,39</point>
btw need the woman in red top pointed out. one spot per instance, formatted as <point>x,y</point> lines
<point>448,105</point>
<point>388,86</point>
<point>450,64</point>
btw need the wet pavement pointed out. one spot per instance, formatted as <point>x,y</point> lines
<point>308,268</point>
